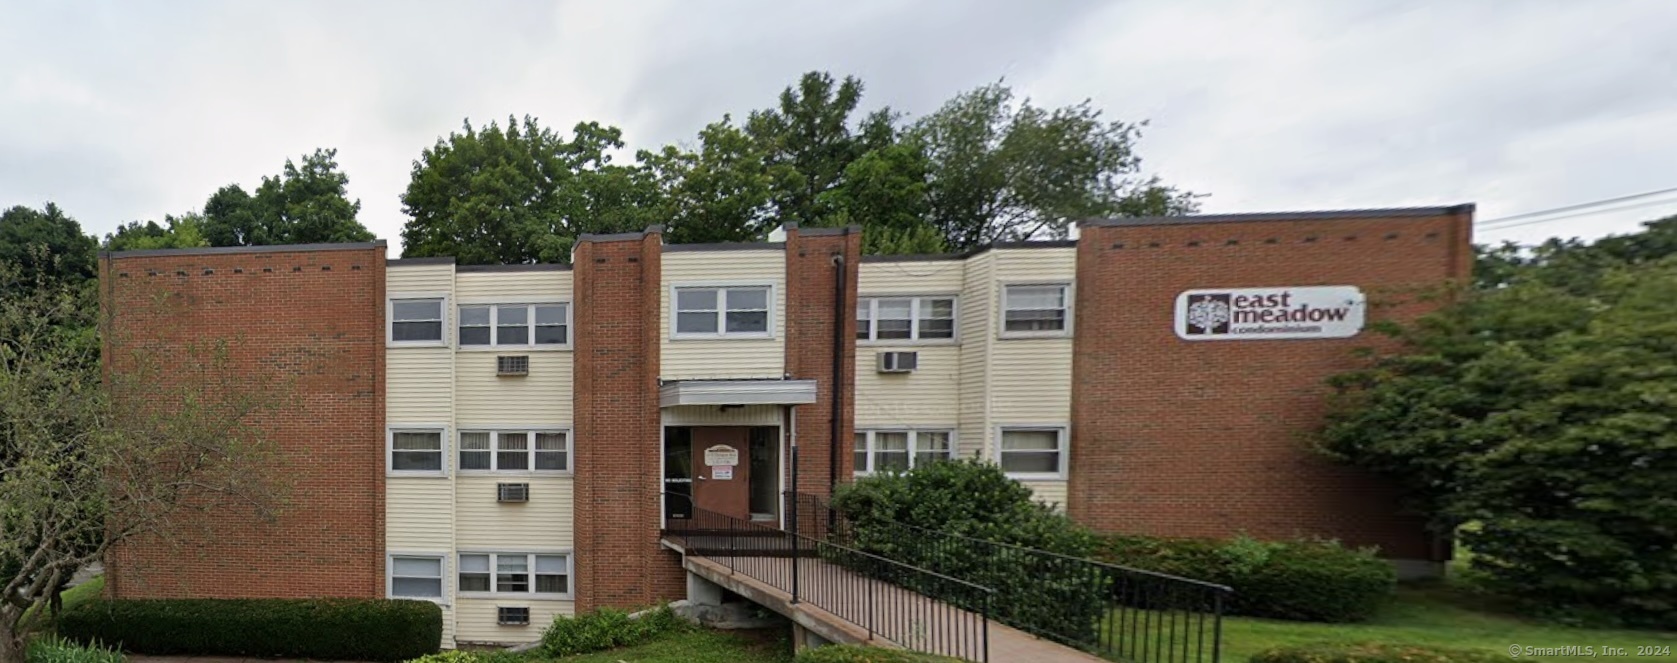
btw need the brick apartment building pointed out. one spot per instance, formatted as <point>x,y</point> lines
<point>495,437</point>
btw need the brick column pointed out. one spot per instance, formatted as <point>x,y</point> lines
<point>810,316</point>
<point>619,562</point>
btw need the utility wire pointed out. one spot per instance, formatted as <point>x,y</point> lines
<point>1579,206</point>
<point>1648,203</point>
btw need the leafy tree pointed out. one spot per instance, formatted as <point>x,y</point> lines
<point>809,141</point>
<point>1541,408</point>
<point>179,232</point>
<point>1004,170</point>
<point>44,246</point>
<point>720,193</point>
<point>90,460</point>
<point>304,204</point>
<point>522,194</point>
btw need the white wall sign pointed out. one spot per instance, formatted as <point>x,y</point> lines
<point>722,472</point>
<point>1257,314</point>
<point>722,454</point>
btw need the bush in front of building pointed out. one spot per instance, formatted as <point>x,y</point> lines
<point>862,654</point>
<point>473,656</point>
<point>1306,580</point>
<point>330,629</point>
<point>59,650</point>
<point>1043,593</point>
<point>1370,652</point>
<point>607,628</point>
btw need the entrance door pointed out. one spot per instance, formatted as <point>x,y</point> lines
<point>722,470</point>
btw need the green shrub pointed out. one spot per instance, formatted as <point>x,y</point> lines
<point>606,628</point>
<point>57,650</point>
<point>1372,653</point>
<point>1307,580</point>
<point>861,654</point>
<point>333,629</point>
<point>1038,593</point>
<point>473,656</point>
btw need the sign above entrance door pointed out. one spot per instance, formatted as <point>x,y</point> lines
<point>722,454</point>
<point>1259,314</point>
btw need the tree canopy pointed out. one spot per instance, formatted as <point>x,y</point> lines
<point>304,204</point>
<point>43,246</point>
<point>176,232</point>
<point>1540,410</point>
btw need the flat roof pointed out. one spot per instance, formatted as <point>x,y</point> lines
<point>1372,213</point>
<point>271,248</point>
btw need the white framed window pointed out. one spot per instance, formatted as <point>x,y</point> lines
<point>536,575</point>
<point>515,325</point>
<point>1032,452</point>
<point>905,319</point>
<point>1036,310</point>
<point>416,320</point>
<point>722,312</point>
<point>414,576</point>
<point>415,451</point>
<point>886,450</point>
<point>515,451</point>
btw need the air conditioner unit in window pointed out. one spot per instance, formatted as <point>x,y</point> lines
<point>898,362</point>
<point>512,616</point>
<point>512,492</point>
<point>512,365</point>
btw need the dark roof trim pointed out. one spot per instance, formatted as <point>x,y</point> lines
<point>726,246</point>
<point>609,237</point>
<point>816,232</point>
<point>407,262</point>
<point>1388,213</point>
<point>534,267</point>
<point>216,250</point>
<point>1038,244</point>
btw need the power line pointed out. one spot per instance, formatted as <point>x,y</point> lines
<point>1568,208</point>
<point>1649,203</point>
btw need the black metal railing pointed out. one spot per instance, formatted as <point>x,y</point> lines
<point>1114,611</point>
<point>913,607</point>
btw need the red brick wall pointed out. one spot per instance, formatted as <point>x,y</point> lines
<point>618,426</point>
<point>810,285</point>
<point>1178,438</point>
<point>311,319</point>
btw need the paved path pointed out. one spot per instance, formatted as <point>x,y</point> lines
<point>862,609</point>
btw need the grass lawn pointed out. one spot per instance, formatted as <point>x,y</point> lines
<point>1433,615</point>
<point>73,597</point>
<point>697,646</point>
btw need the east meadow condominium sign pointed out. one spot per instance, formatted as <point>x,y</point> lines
<point>1256,314</point>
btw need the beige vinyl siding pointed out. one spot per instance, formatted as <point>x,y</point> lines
<point>1030,378</point>
<point>476,619</point>
<point>537,287</point>
<point>418,279</point>
<point>1052,492</point>
<point>977,332</point>
<point>724,358</point>
<point>931,395</point>
<point>420,385</point>
<point>711,415</point>
<point>419,513</point>
<point>543,523</point>
<point>541,398</point>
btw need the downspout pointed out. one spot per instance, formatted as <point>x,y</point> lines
<point>839,289</point>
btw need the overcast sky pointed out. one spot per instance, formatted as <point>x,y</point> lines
<point>124,111</point>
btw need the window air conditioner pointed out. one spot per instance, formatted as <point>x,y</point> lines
<point>512,492</point>
<point>898,362</point>
<point>512,365</point>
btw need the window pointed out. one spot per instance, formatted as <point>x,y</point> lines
<point>515,325</point>
<point>905,318</point>
<point>1033,452</point>
<point>1038,310</point>
<point>513,451</point>
<point>516,573</point>
<point>740,311</point>
<point>899,450</point>
<point>415,577</point>
<point>416,320</point>
<point>417,451</point>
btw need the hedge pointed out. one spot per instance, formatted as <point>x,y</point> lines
<point>606,628</point>
<point>332,629</point>
<point>1305,580</point>
<point>1373,653</point>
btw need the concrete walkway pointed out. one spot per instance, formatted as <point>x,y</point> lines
<point>843,606</point>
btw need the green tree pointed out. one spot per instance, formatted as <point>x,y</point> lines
<point>1542,408</point>
<point>721,193</point>
<point>304,204</point>
<point>45,246</point>
<point>522,194</point>
<point>809,139</point>
<point>177,232</point>
<point>1003,169</point>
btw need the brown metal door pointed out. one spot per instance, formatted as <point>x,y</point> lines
<point>718,486</point>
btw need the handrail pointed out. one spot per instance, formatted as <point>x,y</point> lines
<point>910,606</point>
